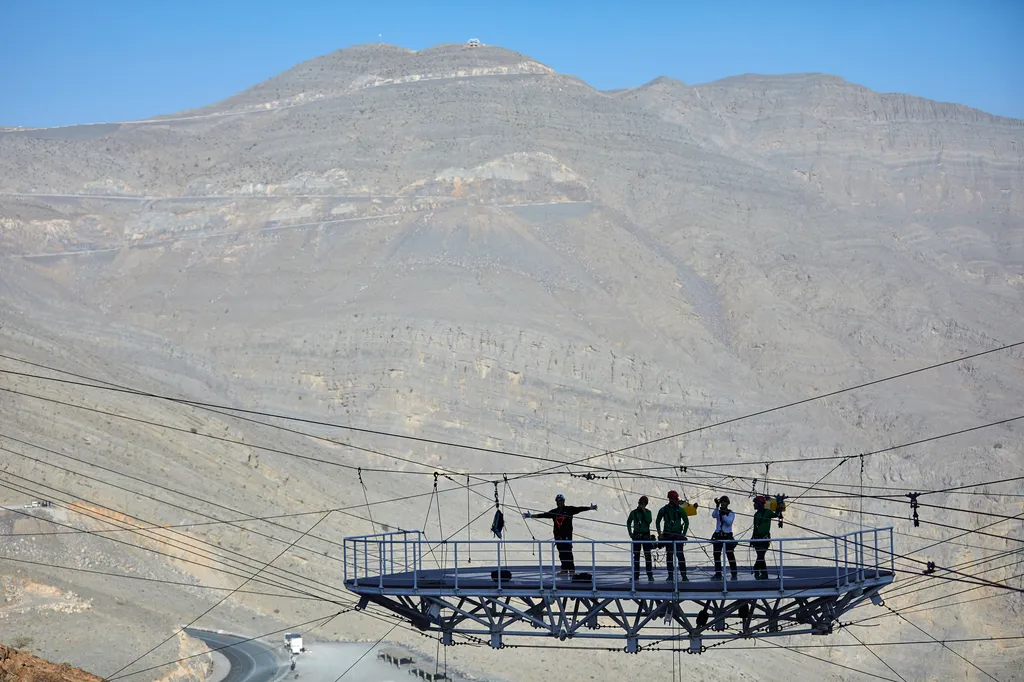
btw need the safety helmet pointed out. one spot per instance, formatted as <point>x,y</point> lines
<point>559,497</point>
<point>643,499</point>
<point>759,501</point>
<point>673,495</point>
<point>723,499</point>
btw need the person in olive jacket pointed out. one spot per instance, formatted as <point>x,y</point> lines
<point>638,523</point>
<point>562,516</point>
<point>677,524</point>
<point>761,537</point>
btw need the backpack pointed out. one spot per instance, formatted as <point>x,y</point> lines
<point>498,525</point>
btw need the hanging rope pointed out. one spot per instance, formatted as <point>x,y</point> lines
<point>508,488</point>
<point>440,528</point>
<point>366,499</point>
<point>426,519</point>
<point>862,492</point>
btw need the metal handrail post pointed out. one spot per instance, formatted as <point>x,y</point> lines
<point>861,558</point>
<point>892,555</point>
<point>498,544</point>
<point>456,566</point>
<point>846,561</point>
<point>380,562</point>
<point>593,565</point>
<point>782,579</point>
<point>540,563</point>
<point>415,566</point>
<point>675,567</point>
<point>876,553</point>
<point>633,568</point>
<point>554,576</point>
<point>835,543</point>
<point>366,558</point>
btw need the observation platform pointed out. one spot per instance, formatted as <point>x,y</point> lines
<point>496,588</point>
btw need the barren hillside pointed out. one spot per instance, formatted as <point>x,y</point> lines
<point>465,246</point>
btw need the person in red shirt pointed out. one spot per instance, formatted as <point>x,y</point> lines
<point>562,516</point>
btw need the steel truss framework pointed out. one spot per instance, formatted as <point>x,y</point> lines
<point>608,601</point>
<point>635,619</point>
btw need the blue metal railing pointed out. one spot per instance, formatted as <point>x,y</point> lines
<point>406,555</point>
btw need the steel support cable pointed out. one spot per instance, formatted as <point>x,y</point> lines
<point>801,402</point>
<point>188,548</point>
<point>222,600</point>
<point>115,387</point>
<point>232,441</point>
<point>911,587</point>
<point>906,557</point>
<point>363,655</point>
<point>196,403</point>
<point>959,490</point>
<point>890,516</point>
<point>945,646</point>
<point>916,607</point>
<point>177,583</point>
<point>342,510</point>
<point>171,504</point>
<point>825,660</point>
<point>843,495</point>
<point>190,545</point>
<point>168,527</point>
<point>520,476</point>
<point>817,459</point>
<point>923,641</point>
<point>228,646</point>
<point>872,652</point>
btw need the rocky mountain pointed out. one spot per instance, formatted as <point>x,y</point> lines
<point>464,245</point>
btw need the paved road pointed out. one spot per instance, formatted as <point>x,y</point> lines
<point>251,661</point>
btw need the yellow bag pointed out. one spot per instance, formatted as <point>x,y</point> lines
<point>772,504</point>
<point>690,509</point>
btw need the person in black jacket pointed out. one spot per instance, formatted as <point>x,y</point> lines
<point>562,527</point>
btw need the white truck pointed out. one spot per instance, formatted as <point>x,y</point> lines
<point>293,643</point>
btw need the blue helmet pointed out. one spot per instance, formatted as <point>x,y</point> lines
<point>559,497</point>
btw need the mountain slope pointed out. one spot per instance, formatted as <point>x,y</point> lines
<point>462,245</point>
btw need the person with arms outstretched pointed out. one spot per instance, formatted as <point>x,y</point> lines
<point>677,525</point>
<point>638,523</point>
<point>562,516</point>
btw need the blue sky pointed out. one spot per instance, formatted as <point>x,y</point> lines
<point>76,61</point>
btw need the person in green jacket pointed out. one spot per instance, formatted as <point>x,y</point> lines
<point>677,524</point>
<point>761,537</point>
<point>638,523</point>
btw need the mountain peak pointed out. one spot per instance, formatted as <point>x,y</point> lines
<point>374,64</point>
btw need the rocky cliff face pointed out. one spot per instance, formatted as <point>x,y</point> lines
<point>19,666</point>
<point>464,245</point>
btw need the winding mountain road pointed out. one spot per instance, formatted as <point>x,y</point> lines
<point>251,661</point>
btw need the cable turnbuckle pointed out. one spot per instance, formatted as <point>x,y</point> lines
<point>913,505</point>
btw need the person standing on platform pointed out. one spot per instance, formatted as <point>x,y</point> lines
<point>638,523</point>
<point>761,537</point>
<point>562,516</point>
<point>723,537</point>
<point>677,525</point>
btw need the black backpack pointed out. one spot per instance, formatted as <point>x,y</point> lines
<point>498,525</point>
